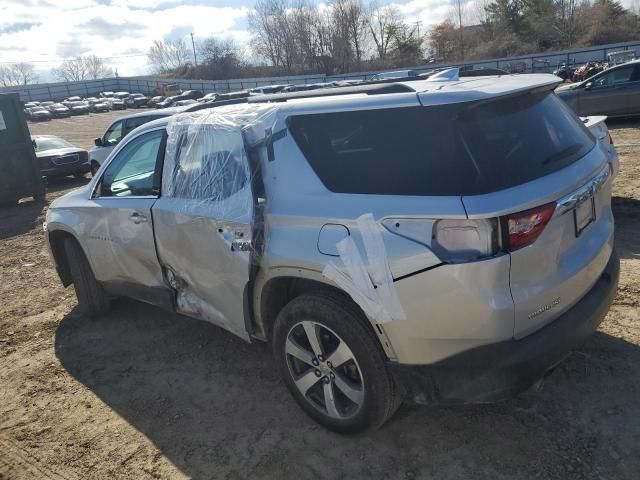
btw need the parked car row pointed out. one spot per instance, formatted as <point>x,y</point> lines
<point>76,105</point>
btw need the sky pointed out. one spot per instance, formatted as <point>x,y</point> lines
<point>45,32</point>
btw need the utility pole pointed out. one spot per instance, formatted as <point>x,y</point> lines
<point>193,44</point>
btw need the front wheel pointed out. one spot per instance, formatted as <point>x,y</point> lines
<point>92,299</point>
<point>333,364</point>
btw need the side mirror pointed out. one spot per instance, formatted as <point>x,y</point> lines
<point>98,142</point>
<point>588,86</point>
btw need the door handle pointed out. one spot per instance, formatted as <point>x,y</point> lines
<point>137,218</point>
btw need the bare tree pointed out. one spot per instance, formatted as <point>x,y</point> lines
<point>352,18</point>
<point>96,67</point>
<point>17,74</point>
<point>168,55</point>
<point>382,22</point>
<point>82,68</point>
<point>274,34</point>
<point>71,70</point>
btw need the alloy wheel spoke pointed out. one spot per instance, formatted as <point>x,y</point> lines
<point>311,331</point>
<point>295,350</point>
<point>350,389</point>
<point>306,381</point>
<point>341,355</point>
<point>330,401</point>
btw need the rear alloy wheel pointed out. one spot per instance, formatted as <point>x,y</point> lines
<point>333,364</point>
<point>332,384</point>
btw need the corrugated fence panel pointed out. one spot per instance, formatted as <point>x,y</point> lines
<point>539,62</point>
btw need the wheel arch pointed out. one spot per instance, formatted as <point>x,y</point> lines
<point>57,240</point>
<point>278,291</point>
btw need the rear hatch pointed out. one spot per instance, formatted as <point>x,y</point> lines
<point>548,181</point>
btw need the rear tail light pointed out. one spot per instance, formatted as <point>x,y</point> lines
<point>459,241</point>
<point>525,227</point>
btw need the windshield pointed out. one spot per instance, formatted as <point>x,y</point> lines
<point>50,143</point>
<point>456,149</point>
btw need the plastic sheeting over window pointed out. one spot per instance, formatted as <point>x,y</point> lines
<point>206,157</point>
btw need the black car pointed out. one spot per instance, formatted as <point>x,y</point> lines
<point>136,100</point>
<point>58,158</point>
<point>98,105</point>
<point>38,114</point>
<point>167,102</point>
<point>58,110</point>
<point>78,107</point>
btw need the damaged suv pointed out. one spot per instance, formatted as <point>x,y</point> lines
<point>434,241</point>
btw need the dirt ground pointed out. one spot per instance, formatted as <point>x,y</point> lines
<point>142,393</point>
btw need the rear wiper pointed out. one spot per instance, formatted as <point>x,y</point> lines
<point>570,150</point>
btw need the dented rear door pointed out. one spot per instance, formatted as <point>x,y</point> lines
<point>202,223</point>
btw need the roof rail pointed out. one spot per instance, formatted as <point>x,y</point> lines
<point>368,89</point>
<point>371,88</point>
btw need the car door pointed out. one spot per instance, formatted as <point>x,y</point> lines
<point>607,92</point>
<point>202,223</point>
<point>632,92</point>
<point>119,227</point>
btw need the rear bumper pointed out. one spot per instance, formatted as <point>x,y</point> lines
<point>501,370</point>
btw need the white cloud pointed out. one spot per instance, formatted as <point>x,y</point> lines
<point>38,31</point>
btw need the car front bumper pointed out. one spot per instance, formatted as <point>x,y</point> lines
<point>62,170</point>
<point>499,371</point>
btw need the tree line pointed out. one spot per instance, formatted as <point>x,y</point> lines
<point>502,28</point>
<point>340,36</point>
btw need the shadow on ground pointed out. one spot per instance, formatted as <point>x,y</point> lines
<point>22,217</point>
<point>216,408</point>
<point>626,212</point>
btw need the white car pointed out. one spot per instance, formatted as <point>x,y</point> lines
<point>117,131</point>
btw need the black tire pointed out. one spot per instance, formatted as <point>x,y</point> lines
<point>338,315</point>
<point>79,176</point>
<point>92,299</point>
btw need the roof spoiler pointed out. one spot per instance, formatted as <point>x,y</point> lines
<point>448,75</point>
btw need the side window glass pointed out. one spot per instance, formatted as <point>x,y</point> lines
<point>114,134</point>
<point>211,165</point>
<point>133,123</point>
<point>614,77</point>
<point>132,171</point>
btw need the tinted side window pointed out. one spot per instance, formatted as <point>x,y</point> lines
<point>114,134</point>
<point>133,123</point>
<point>457,149</point>
<point>615,76</point>
<point>132,171</point>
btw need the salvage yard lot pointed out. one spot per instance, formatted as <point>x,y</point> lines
<point>141,393</point>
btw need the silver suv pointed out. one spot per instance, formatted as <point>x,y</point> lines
<point>434,241</point>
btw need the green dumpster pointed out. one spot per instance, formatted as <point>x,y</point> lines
<point>19,169</point>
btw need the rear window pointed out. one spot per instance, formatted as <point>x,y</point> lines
<point>456,149</point>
